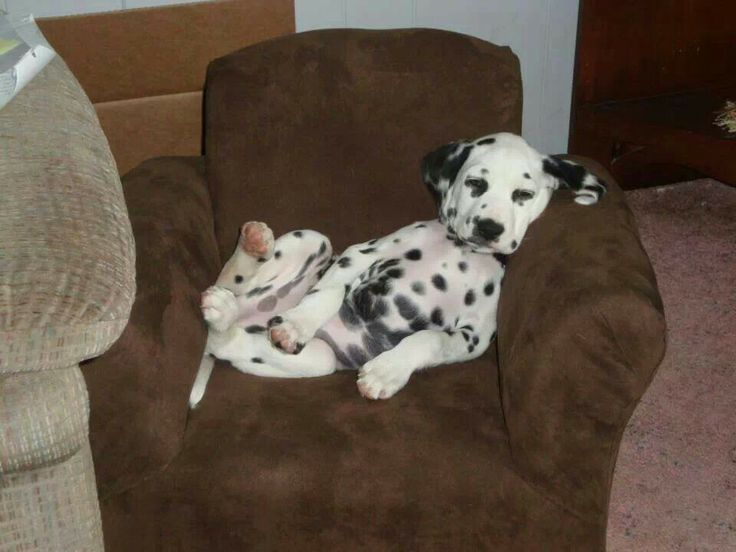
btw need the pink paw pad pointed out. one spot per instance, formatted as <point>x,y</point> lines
<point>256,239</point>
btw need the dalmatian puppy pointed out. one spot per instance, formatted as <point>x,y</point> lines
<point>422,296</point>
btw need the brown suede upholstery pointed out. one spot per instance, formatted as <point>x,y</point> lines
<point>138,391</point>
<point>513,451</point>
<point>300,125</point>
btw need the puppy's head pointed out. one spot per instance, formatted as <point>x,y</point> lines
<point>489,190</point>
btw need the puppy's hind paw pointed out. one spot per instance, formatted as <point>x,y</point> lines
<point>285,336</point>
<point>256,239</point>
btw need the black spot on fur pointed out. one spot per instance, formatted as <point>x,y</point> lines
<point>298,233</point>
<point>397,240</point>
<point>368,305</point>
<point>257,360</point>
<point>421,225</point>
<point>348,315</point>
<point>325,268</point>
<point>372,344</point>
<point>262,259</point>
<point>413,254</point>
<point>470,297</point>
<point>275,321</point>
<point>344,262</point>
<point>437,318</point>
<point>322,248</point>
<point>367,250</point>
<point>489,287</point>
<point>486,141</point>
<point>418,288</point>
<point>463,266</point>
<point>407,308</point>
<point>439,282</point>
<point>306,264</point>
<point>372,242</point>
<point>238,279</point>
<point>571,175</point>
<point>476,339</point>
<point>471,348</point>
<point>255,328</point>
<point>419,324</point>
<point>395,273</point>
<point>514,243</point>
<point>527,176</point>
<point>357,355</point>
<point>258,290</point>
<point>277,254</point>
<point>443,164</point>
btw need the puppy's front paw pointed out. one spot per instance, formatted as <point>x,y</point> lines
<point>256,239</point>
<point>381,379</point>
<point>219,308</point>
<point>285,335</point>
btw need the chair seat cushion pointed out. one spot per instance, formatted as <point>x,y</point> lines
<point>272,464</point>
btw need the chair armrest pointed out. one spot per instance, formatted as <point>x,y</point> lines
<point>148,373</point>
<point>67,276</point>
<point>581,331</point>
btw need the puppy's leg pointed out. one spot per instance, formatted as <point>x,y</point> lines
<point>252,353</point>
<point>385,375</point>
<point>294,328</point>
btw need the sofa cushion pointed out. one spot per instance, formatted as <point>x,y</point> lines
<point>138,390</point>
<point>43,418</point>
<point>300,130</point>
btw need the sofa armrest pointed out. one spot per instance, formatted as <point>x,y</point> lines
<point>67,277</point>
<point>581,332</point>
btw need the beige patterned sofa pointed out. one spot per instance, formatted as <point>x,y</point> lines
<point>67,282</point>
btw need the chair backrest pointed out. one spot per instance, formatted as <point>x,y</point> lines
<point>327,129</point>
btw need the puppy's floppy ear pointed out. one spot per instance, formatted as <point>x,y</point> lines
<point>586,186</point>
<point>440,167</point>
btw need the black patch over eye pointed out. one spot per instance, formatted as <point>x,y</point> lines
<point>478,186</point>
<point>520,195</point>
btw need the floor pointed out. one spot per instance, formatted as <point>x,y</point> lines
<point>675,481</point>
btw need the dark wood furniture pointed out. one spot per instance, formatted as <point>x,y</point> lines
<point>650,76</point>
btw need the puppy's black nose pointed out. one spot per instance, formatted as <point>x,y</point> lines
<point>488,229</point>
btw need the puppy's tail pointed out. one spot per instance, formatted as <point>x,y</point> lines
<point>200,382</point>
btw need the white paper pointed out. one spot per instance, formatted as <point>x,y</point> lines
<point>25,59</point>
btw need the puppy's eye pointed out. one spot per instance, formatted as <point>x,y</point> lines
<point>521,195</point>
<point>478,186</point>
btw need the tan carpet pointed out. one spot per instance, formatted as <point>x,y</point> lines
<point>675,482</point>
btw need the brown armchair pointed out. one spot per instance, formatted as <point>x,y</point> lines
<point>513,451</point>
